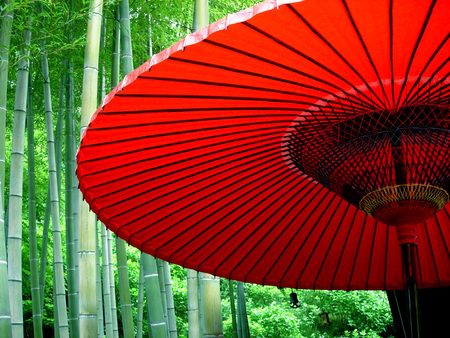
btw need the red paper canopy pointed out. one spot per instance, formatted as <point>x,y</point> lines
<point>198,156</point>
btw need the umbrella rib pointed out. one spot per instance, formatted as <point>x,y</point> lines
<point>344,246</point>
<point>277,64</point>
<point>307,184</point>
<point>229,85</point>
<point>386,258</point>
<point>213,201</point>
<point>273,38</point>
<point>174,172</point>
<point>305,239</point>
<point>205,64</point>
<point>416,46</point>
<point>211,97</point>
<point>312,188</point>
<point>416,83</point>
<point>371,254</point>
<point>298,229</point>
<point>263,153</point>
<point>184,142</point>
<point>273,141</point>
<point>419,92</point>
<point>357,251</point>
<point>241,227</point>
<point>433,256</point>
<point>329,246</point>
<point>317,33</point>
<point>355,27</point>
<point>391,47</point>
<point>187,206</point>
<point>140,138</point>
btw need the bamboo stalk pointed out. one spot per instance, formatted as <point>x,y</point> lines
<point>5,38</point>
<point>233,308</point>
<point>15,195</point>
<point>153,295</point>
<point>124,288</point>
<point>162,290</point>
<point>212,313</point>
<point>193,306</point>
<point>106,284</point>
<point>170,303</point>
<point>58,264</point>
<point>140,308</point>
<point>112,285</point>
<point>70,204</point>
<point>44,246</point>
<point>125,38</point>
<point>34,266</point>
<point>87,247</point>
<point>242,311</point>
<point>101,325</point>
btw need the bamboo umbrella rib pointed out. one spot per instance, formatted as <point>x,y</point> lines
<point>427,64</point>
<point>419,38</point>
<point>263,154</point>
<point>240,215</point>
<point>258,75</point>
<point>294,234</point>
<point>432,253</point>
<point>364,45</point>
<point>228,86</point>
<point>314,228</point>
<point>206,197</point>
<point>329,246</point>
<point>353,265</point>
<point>312,60</point>
<point>258,139</point>
<point>317,33</point>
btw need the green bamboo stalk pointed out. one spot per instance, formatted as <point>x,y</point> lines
<point>201,14</point>
<point>87,246</point>
<point>34,266</point>
<point>140,308</point>
<point>125,38</point>
<point>242,312</point>
<point>106,283</point>
<point>124,288</point>
<point>15,194</point>
<point>5,37</point>
<point>99,291</point>
<point>58,264</point>
<point>115,59</point>
<point>193,306</point>
<point>5,319</point>
<point>233,308</point>
<point>44,246</point>
<point>70,202</point>
<point>153,295</point>
<point>212,313</point>
<point>170,304</point>
<point>112,292</point>
<point>162,290</point>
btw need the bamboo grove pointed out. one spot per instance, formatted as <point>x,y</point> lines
<point>62,273</point>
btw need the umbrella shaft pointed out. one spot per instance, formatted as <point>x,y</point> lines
<point>409,252</point>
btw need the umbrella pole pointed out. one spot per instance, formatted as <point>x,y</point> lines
<point>409,253</point>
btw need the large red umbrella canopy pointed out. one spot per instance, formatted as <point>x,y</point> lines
<point>245,149</point>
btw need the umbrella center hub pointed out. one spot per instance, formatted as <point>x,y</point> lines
<point>393,164</point>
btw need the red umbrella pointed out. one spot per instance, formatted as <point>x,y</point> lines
<point>250,149</point>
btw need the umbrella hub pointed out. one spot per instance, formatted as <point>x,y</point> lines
<point>394,164</point>
<point>404,206</point>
